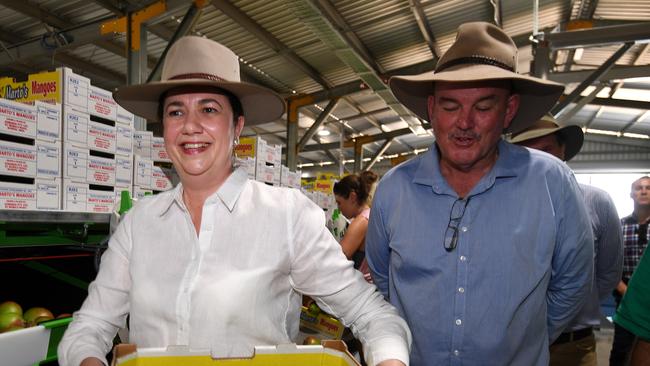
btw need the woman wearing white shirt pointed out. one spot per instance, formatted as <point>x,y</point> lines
<point>220,262</point>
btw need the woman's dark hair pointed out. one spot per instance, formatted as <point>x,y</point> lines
<point>360,184</point>
<point>235,104</point>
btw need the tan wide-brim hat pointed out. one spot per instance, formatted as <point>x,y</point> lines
<point>198,61</point>
<point>481,52</point>
<point>572,135</point>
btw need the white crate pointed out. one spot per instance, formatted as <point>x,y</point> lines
<point>125,117</point>
<point>142,172</point>
<point>142,143</point>
<point>124,143</point>
<point>43,194</point>
<point>102,104</point>
<point>158,151</point>
<point>76,90</point>
<point>17,119</point>
<point>101,137</point>
<point>161,179</point>
<point>80,166</point>
<point>18,160</point>
<point>82,197</point>
<point>48,159</point>
<point>139,192</point>
<point>75,127</point>
<point>49,117</point>
<point>124,170</point>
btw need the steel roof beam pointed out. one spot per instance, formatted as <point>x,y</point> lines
<point>379,153</point>
<point>425,29</point>
<point>621,103</point>
<point>615,73</point>
<point>599,36</point>
<point>317,123</point>
<point>595,75</point>
<point>269,40</point>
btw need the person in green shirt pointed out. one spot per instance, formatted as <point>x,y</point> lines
<point>633,313</point>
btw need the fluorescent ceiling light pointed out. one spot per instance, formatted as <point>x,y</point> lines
<point>323,132</point>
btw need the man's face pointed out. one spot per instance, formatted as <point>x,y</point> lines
<point>468,120</point>
<point>548,144</point>
<point>641,192</point>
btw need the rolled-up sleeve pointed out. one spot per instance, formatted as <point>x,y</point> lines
<point>320,269</point>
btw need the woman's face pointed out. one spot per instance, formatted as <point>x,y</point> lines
<point>348,206</point>
<point>199,133</point>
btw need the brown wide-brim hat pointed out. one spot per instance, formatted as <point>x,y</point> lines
<point>481,52</point>
<point>198,61</point>
<point>571,135</point>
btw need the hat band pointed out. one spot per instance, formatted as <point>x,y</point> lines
<point>474,60</point>
<point>198,75</point>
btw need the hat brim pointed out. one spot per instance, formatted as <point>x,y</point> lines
<point>572,135</point>
<point>537,96</point>
<point>260,104</point>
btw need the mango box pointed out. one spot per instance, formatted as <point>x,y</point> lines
<point>43,194</point>
<point>142,172</point>
<point>83,167</point>
<point>139,192</point>
<point>102,104</point>
<point>330,353</point>
<point>161,180</point>
<point>75,128</point>
<point>124,137</point>
<point>142,143</point>
<point>102,137</point>
<point>49,118</point>
<point>158,151</point>
<point>41,160</point>
<point>123,171</point>
<point>32,345</point>
<point>17,119</point>
<point>81,197</point>
<point>321,325</point>
<point>125,117</point>
<point>61,86</point>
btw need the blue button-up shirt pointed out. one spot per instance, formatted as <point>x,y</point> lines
<point>520,272</point>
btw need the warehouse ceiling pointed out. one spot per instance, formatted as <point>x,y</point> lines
<point>331,58</point>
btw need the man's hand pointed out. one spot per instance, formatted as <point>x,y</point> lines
<point>391,363</point>
<point>91,361</point>
<point>621,288</point>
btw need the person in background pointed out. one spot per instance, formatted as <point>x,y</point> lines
<point>635,241</point>
<point>576,346</point>
<point>634,311</point>
<point>480,244</point>
<point>220,262</point>
<point>352,194</point>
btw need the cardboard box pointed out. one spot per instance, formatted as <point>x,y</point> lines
<point>158,152</point>
<point>320,324</point>
<point>124,143</point>
<point>48,159</point>
<point>61,86</point>
<point>143,172</point>
<point>123,171</point>
<point>48,118</point>
<point>330,353</point>
<point>42,194</point>
<point>17,119</point>
<point>142,143</point>
<point>75,128</point>
<point>247,163</point>
<point>125,117</point>
<point>160,180</point>
<point>102,104</point>
<point>82,197</point>
<point>267,174</point>
<point>18,160</point>
<point>289,178</point>
<point>81,166</point>
<point>101,137</point>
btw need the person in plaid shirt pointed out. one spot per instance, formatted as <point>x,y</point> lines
<point>635,240</point>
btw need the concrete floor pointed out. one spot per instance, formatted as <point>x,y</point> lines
<point>604,338</point>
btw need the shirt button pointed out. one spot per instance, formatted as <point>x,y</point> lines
<point>463,258</point>
<point>464,229</point>
<point>459,322</point>
<point>456,352</point>
<point>461,290</point>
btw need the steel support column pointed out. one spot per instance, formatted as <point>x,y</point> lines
<point>136,61</point>
<point>541,59</point>
<point>292,134</point>
<point>358,156</point>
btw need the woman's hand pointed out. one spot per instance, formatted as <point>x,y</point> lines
<point>91,361</point>
<point>391,363</point>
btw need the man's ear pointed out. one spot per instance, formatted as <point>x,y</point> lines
<point>239,126</point>
<point>512,106</point>
<point>431,104</point>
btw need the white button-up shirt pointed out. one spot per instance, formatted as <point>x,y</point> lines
<point>235,285</point>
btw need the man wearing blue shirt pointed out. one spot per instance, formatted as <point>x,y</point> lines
<point>480,244</point>
<point>576,346</point>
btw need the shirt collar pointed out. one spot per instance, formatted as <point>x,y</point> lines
<point>228,193</point>
<point>428,170</point>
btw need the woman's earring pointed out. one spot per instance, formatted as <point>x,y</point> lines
<point>236,141</point>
